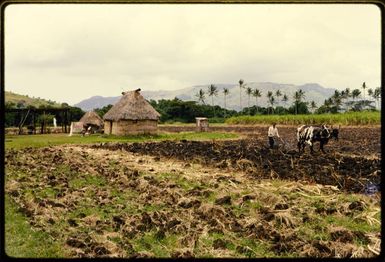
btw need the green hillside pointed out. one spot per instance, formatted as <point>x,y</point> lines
<point>20,101</point>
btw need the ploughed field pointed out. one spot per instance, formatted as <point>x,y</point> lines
<point>351,163</point>
<point>232,198</point>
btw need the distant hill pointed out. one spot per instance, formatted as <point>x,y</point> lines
<point>312,92</point>
<point>24,100</point>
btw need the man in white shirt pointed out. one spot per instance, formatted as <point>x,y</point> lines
<point>271,133</point>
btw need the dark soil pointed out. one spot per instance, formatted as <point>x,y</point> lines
<point>351,163</point>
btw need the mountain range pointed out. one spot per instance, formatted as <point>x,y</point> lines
<point>313,92</point>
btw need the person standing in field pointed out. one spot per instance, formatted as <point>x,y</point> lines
<point>272,133</point>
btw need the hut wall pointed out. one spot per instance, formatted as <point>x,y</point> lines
<point>128,127</point>
<point>107,127</point>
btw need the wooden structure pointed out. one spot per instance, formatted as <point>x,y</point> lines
<point>202,124</point>
<point>93,121</point>
<point>132,114</point>
<point>33,113</point>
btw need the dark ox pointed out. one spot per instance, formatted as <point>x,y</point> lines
<point>310,134</point>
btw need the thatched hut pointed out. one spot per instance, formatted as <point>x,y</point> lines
<point>132,114</point>
<point>93,120</point>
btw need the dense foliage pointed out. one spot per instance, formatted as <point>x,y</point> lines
<point>177,110</point>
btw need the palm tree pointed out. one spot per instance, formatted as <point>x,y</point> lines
<point>256,93</point>
<point>346,94</point>
<point>272,101</point>
<point>298,96</point>
<point>240,93</point>
<point>363,89</point>
<point>313,106</point>
<point>328,102</point>
<point>249,92</point>
<point>285,98</point>
<point>278,94</point>
<point>337,99</point>
<point>212,91</point>
<point>201,96</point>
<point>225,93</point>
<point>377,95</point>
<point>355,93</point>
<point>370,92</point>
<point>269,95</point>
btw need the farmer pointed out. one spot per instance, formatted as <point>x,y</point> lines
<point>271,133</point>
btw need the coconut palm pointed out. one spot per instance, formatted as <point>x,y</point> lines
<point>363,89</point>
<point>337,99</point>
<point>257,93</point>
<point>240,93</point>
<point>377,95</point>
<point>278,94</point>
<point>328,103</point>
<point>225,94</point>
<point>212,91</point>
<point>370,92</point>
<point>355,93</point>
<point>371,95</point>
<point>285,98</point>
<point>249,92</point>
<point>269,96</point>
<point>347,92</point>
<point>201,96</point>
<point>298,96</point>
<point>313,106</point>
<point>272,102</point>
<point>345,95</point>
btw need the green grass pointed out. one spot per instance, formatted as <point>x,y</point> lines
<point>21,141</point>
<point>159,247</point>
<point>22,241</point>
<point>350,118</point>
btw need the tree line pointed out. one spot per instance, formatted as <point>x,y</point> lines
<point>176,110</point>
<point>345,100</point>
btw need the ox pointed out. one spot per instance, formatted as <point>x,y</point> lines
<point>310,134</point>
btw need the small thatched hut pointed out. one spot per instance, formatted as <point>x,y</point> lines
<point>93,120</point>
<point>132,114</point>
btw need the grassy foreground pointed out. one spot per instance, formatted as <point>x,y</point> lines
<point>350,118</point>
<point>103,203</point>
<point>21,239</point>
<point>117,201</point>
<point>16,141</point>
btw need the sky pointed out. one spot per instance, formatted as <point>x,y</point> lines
<point>70,52</point>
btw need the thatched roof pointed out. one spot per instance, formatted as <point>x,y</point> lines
<point>132,106</point>
<point>92,118</point>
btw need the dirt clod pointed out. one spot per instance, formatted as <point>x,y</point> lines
<point>73,242</point>
<point>220,244</point>
<point>226,200</point>
<point>342,235</point>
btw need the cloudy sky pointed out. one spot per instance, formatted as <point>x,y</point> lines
<point>68,53</point>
